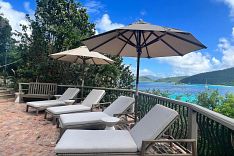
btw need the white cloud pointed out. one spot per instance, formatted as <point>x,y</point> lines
<point>27,8</point>
<point>215,61</point>
<point>227,49</point>
<point>190,64</point>
<point>233,32</point>
<point>143,13</point>
<point>105,24</point>
<point>230,4</point>
<point>15,17</point>
<point>194,63</point>
<point>145,72</point>
<point>93,6</point>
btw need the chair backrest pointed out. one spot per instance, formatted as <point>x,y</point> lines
<point>120,105</point>
<point>93,97</point>
<point>153,124</point>
<point>42,88</point>
<point>70,93</point>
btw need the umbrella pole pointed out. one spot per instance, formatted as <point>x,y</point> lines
<point>82,83</point>
<point>137,88</point>
<point>139,51</point>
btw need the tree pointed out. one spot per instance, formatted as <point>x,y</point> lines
<point>5,37</point>
<point>60,25</point>
<point>227,108</point>
<point>7,48</point>
<point>209,99</point>
<point>159,92</point>
<point>114,75</point>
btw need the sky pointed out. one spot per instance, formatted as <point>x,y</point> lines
<point>210,21</point>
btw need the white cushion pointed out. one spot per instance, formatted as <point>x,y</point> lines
<point>93,97</point>
<point>68,109</point>
<point>95,141</point>
<point>153,124</point>
<point>81,118</point>
<point>44,104</point>
<point>70,93</point>
<point>120,105</point>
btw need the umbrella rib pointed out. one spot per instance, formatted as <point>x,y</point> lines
<point>105,42</point>
<point>127,40</point>
<point>186,40</point>
<point>95,36</point>
<point>124,45</point>
<point>76,59</point>
<point>107,61</point>
<point>60,57</point>
<point>171,47</point>
<point>93,61</point>
<point>135,36</point>
<point>147,38</point>
<point>146,46</point>
<point>155,40</point>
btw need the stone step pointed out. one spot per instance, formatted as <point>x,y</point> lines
<point>7,96</point>
<point>5,92</point>
<point>2,88</point>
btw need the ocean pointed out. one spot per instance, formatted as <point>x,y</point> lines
<point>186,92</point>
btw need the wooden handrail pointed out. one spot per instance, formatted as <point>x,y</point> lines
<point>222,119</point>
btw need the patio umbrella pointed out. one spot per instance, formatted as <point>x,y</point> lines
<point>83,56</point>
<point>142,39</point>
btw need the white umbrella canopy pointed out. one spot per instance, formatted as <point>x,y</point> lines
<point>145,40</point>
<point>83,56</point>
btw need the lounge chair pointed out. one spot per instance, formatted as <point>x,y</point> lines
<point>137,141</point>
<point>70,93</point>
<point>94,97</point>
<point>92,120</point>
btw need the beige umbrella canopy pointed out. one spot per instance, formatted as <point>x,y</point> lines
<point>144,40</point>
<point>83,56</point>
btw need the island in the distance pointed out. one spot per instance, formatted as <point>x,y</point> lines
<point>219,77</point>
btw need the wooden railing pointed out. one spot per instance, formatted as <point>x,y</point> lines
<point>214,132</point>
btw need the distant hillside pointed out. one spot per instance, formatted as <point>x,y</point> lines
<point>145,79</point>
<point>152,77</point>
<point>171,79</point>
<point>219,77</point>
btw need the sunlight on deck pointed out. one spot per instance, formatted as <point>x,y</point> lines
<point>24,133</point>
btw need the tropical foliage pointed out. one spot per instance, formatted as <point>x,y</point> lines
<point>159,92</point>
<point>227,108</point>
<point>8,51</point>
<point>60,25</point>
<point>212,100</point>
<point>209,99</point>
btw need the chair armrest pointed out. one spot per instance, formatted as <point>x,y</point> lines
<point>22,91</point>
<point>123,114</point>
<point>125,124</point>
<point>75,98</point>
<point>146,144</point>
<point>169,140</point>
<point>100,105</point>
<point>57,96</point>
<point>130,115</point>
<point>104,103</point>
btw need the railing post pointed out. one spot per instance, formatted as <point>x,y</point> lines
<point>192,126</point>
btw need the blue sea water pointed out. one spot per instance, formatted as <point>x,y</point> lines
<point>187,92</point>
